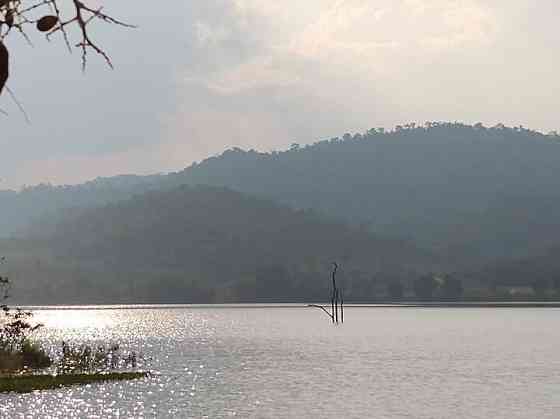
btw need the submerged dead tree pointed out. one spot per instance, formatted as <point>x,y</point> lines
<point>51,17</point>
<point>336,312</point>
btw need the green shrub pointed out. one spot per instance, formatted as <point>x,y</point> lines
<point>34,357</point>
<point>29,356</point>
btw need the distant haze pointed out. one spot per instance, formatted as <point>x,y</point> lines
<point>200,76</point>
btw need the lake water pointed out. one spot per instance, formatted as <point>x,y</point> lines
<point>273,362</point>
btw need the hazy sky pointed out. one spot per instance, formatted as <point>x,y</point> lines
<point>199,76</point>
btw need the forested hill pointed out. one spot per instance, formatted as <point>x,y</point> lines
<point>475,192</point>
<point>472,193</point>
<point>203,244</point>
<point>19,209</point>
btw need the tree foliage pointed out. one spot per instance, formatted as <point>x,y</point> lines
<point>425,287</point>
<point>452,287</point>
<point>17,351</point>
<point>15,326</point>
<point>483,198</point>
<point>205,244</point>
<point>474,194</point>
<point>395,290</point>
<point>540,286</point>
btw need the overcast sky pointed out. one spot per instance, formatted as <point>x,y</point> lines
<point>199,76</point>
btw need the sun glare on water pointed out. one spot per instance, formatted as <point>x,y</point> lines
<point>65,319</point>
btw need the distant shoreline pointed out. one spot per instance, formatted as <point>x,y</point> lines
<point>401,304</point>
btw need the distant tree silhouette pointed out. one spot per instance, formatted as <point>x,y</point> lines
<point>273,282</point>
<point>395,290</point>
<point>201,244</point>
<point>540,286</point>
<point>452,287</point>
<point>425,286</point>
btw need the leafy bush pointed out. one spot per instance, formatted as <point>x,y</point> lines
<point>15,329</point>
<point>34,357</point>
<point>29,357</point>
<point>17,351</point>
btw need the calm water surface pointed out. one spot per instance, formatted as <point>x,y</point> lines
<point>291,362</point>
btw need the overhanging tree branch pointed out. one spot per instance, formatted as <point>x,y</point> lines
<point>50,18</point>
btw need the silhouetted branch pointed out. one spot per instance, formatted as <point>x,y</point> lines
<point>341,307</point>
<point>20,14</point>
<point>335,265</point>
<point>336,298</point>
<point>18,104</point>
<point>322,308</point>
<point>4,65</point>
<point>332,306</point>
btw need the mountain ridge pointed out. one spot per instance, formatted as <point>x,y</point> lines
<point>471,193</point>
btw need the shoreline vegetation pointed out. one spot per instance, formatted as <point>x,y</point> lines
<point>30,367</point>
<point>84,364</point>
<point>276,304</point>
<point>25,365</point>
<point>32,382</point>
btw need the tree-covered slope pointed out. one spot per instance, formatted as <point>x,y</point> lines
<point>203,244</point>
<point>19,209</point>
<point>471,193</point>
<point>543,268</point>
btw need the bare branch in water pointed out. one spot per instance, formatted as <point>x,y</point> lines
<point>337,302</point>
<point>322,308</point>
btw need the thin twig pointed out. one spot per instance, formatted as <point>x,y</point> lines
<point>18,104</point>
<point>23,14</point>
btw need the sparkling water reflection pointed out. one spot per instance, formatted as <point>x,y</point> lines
<point>291,362</point>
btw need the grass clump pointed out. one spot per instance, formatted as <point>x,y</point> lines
<point>29,383</point>
<point>87,358</point>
